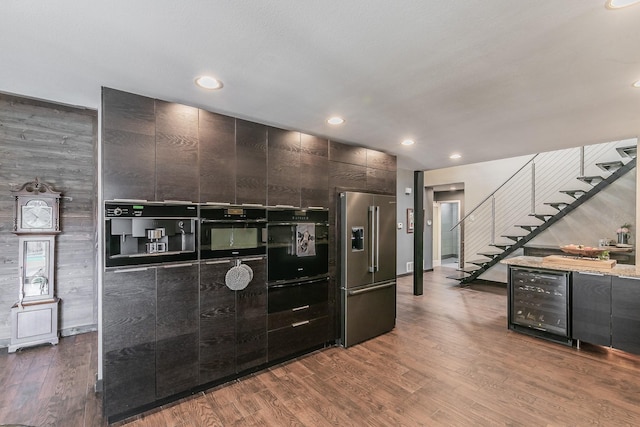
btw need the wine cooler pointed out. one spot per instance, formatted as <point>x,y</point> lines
<point>539,303</point>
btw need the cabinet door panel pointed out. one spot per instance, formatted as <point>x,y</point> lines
<point>251,319</point>
<point>314,171</point>
<point>283,181</point>
<point>128,146</point>
<point>251,158</point>
<point>625,315</point>
<point>177,329</point>
<point>345,153</point>
<point>591,308</point>
<point>297,337</point>
<point>129,343</point>
<point>217,158</point>
<point>217,323</point>
<point>176,152</point>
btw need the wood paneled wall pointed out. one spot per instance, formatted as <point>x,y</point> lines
<point>55,143</point>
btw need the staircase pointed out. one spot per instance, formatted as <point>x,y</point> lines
<point>486,218</point>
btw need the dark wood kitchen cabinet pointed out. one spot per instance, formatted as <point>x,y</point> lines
<point>217,322</point>
<point>177,328</point>
<point>150,148</point>
<point>176,162</point>
<point>129,339</point>
<point>217,158</point>
<point>251,162</point>
<point>298,318</point>
<point>233,324</point>
<point>283,180</point>
<point>251,318</point>
<point>314,171</point>
<point>591,308</point>
<point>625,315</point>
<point>150,334</point>
<point>128,146</point>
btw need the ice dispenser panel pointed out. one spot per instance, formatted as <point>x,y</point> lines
<point>357,239</point>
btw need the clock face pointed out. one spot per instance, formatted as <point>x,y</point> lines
<point>37,214</point>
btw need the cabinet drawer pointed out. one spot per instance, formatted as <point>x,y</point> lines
<point>295,315</point>
<point>297,337</point>
<point>289,297</point>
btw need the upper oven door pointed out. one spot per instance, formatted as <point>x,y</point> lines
<point>230,239</point>
<point>297,250</point>
<point>232,231</point>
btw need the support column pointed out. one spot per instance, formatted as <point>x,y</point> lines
<point>418,234</point>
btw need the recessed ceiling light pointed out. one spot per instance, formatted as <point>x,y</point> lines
<point>408,142</point>
<point>637,84</point>
<point>335,120</point>
<point>619,4</point>
<point>455,156</point>
<point>208,82</point>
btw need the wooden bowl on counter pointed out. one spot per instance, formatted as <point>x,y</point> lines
<point>585,251</point>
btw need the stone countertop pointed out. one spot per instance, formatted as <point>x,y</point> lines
<point>537,262</point>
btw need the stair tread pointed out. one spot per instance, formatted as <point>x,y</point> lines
<point>470,268</point>
<point>627,151</point>
<point>491,254</point>
<point>479,261</point>
<point>571,192</point>
<point>459,275</point>
<point>590,179</point>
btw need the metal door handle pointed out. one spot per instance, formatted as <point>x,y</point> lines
<point>132,270</point>
<point>304,307</point>
<point>371,289</point>
<point>372,236</point>
<point>295,325</point>
<point>377,266</point>
<point>177,265</point>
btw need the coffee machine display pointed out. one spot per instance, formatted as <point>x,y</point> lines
<point>149,233</point>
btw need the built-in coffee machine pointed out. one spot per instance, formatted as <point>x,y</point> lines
<point>149,233</point>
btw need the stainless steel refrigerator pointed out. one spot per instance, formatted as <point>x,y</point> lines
<point>367,266</point>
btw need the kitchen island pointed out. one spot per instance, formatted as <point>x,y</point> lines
<point>570,303</point>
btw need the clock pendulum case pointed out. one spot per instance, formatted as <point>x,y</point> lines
<point>34,318</point>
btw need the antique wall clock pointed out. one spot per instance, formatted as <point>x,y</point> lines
<point>34,318</point>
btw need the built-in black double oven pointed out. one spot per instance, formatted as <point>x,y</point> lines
<point>298,280</point>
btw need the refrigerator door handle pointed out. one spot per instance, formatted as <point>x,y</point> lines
<point>372,238</point>
<point>377,265</point>
<point>370,289</point>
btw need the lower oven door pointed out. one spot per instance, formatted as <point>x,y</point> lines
<point>297,250</point>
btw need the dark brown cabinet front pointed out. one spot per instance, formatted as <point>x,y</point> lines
<point>625,315</point>
<point>298,318</point>
<point>283,181</point>
<point>217,158</point>
<point>251,161</point>
<point>129,339</point>
<point>591,308</point>
<point>176,329</point>
<point>128,146</point>
<point>176,152</point>
<point>233,324</point>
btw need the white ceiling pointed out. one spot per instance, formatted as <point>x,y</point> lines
<point>487,78</point>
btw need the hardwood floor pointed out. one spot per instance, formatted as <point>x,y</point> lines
<point>450,361</point>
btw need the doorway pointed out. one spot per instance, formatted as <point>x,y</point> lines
<point>446,241</point>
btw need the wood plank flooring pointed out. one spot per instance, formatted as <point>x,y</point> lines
<point>449,362</point>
